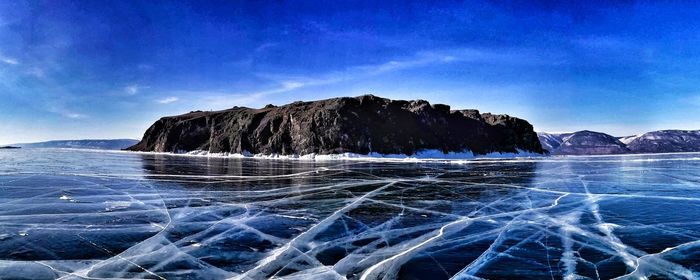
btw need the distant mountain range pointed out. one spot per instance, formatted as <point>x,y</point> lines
<point>100,144</point>
<point>597,143</point>
<point>577,143</point>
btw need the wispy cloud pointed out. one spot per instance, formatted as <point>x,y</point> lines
<point>421,59</point>
<point>418,60</point>
<point>168,100</point>
<point>131,89</point>
<point>37,72</point>
<point>214,100</point>
<point>74,116</point>
<point>285,83</point>
<point>616,48</point>
<point>8,60</point>
<point>264,47</point>
<point>144,67</point>
<point>60,109</point>
<point>279,83</point>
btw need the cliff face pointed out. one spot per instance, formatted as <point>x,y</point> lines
<point>359,125</point>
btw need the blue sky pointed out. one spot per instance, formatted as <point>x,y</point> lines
<point>108,69</point>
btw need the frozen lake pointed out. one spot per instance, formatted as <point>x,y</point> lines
<point>85,215</point>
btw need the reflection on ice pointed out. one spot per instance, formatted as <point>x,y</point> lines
<point>85,215</point>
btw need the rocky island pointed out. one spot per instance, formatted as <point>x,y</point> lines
<point>362,125</point>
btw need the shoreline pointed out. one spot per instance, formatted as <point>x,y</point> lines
<point>425,156</point>
<point>495,157</point>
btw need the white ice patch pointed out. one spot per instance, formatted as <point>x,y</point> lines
<point>117,205</point>
<point>425,155</point>
<point>627,140</point>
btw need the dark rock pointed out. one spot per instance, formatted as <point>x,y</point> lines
<point>666,141</point>
<point>361,125</point>
<point>9,147</point>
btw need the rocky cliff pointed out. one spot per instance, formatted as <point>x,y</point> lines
<point>360,125</point>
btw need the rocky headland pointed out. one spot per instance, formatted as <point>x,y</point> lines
<point>362,125</point>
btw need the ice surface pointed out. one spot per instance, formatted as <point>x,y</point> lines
<point>67,214</point>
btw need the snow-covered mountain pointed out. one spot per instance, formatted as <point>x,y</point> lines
<point>666,141</point>
<point>596,143</point>
<point>627,139</point>
<point>549,141</point>
<point>101,144</point>
<point>583,143</point>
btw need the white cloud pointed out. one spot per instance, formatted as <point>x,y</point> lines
<point>281,83</point>
<point>8,60</point>
<point>168,100</point>
<point>290,85</point>
<point>420,59</point>
<point>132,89</point>
<point>285,83</point>
<point>265,46</point>
<point>58,107</point>
<point>37,72</point>
<point>74,116</point>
